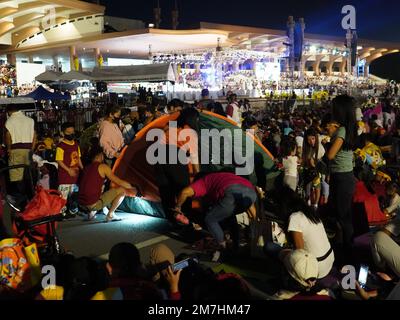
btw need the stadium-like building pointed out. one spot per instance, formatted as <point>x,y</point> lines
<point>75,34</point>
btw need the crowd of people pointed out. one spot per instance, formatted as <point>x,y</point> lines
<point>322,154</point>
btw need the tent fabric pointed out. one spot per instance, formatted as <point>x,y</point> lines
<point>76,76</point>
<point>133,166</point>
<point>49,76</point>
<point>42,94</point>
<point>151,73</point>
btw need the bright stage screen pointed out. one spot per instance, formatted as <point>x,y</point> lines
<point>27,72</point>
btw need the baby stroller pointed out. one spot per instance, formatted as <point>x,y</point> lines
<point>31,226</point>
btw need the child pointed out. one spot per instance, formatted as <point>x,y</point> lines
<point>290,162</point>
<point>68,157</point>
<point>392,191</point>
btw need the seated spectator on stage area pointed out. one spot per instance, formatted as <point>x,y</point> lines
<point>91,186</point>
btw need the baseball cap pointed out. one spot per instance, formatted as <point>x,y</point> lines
<point>302,266</point>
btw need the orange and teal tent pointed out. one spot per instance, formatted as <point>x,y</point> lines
<point>133,166</point>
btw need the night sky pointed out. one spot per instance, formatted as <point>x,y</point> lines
<point>376,19</point>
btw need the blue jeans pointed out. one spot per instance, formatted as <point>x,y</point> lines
<point>237,199</point>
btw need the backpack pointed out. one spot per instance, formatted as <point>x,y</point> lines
<point>15,270</point>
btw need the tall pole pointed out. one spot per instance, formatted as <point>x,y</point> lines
<point>291,25</point>
<point>175,16</point>
<point>349,38</point>
<point>303,28</point>
<point>157,15</point>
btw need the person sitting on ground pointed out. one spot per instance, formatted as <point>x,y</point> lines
<point>228,195</point>
<point>127,277</point>
<point>306,230</point>
<point>79,280</point>
<point>392,190</point>
<point>91,185</point>
<point>302,273</point>
<point>160,265</point>
<point>386,249</point>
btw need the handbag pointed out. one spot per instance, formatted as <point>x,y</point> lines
<point>19,265</point>
<point>44,204</point>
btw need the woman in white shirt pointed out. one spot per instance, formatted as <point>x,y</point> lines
<point>307,231</point>
<point>290,163</point>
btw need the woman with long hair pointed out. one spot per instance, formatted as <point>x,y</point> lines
<point>304,229</point>
<point>343,131</point>
<point>313,152</point>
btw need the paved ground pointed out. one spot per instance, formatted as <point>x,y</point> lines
<point>96,238</point>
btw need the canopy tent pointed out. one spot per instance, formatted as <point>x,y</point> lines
<point>42,94</point>
<point>142,73</point>
<point>133,166</point>
<point>49,76</point>
<point>76,76</point>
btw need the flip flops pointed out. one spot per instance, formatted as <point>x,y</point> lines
<point>91,216</point>
<point>112,219</point>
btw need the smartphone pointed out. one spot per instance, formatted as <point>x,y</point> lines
<point>363,276</point>
<point>180,265</point>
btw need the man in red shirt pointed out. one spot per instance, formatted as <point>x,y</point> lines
<point>68,157</point>
<point>228,195</point>
<point>91,194</point>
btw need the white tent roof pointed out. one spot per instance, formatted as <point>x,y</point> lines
<point>142,73</point>
<point>76,76</point>
<point>49,76</point>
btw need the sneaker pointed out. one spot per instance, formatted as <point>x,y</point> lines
<point>92,215</point>
<point>216,256</point>
<point>73,211</point>
<point>197,227</point>
<point>182,219</point>
<point>105,211</point>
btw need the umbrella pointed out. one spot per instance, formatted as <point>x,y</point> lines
<point>76,76</point>
<point>49,76</point>
<point>42,94</point>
